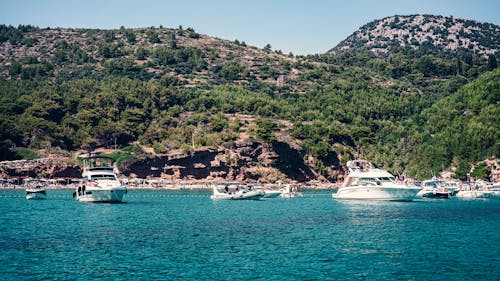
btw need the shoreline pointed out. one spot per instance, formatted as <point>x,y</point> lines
<point>176,187</point>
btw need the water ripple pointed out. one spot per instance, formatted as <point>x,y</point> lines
<point>165,235</point>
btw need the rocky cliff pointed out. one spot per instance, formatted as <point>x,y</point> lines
<point>250,161</point>
<point>47,167</point>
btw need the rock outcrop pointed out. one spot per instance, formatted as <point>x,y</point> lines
<point>416,31</point>
<point>244,161</point>
<point>49,167</point>
<point>250,161</point>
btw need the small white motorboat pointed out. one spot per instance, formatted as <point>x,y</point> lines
<point>36,193</point>
<point>235,191</point>
<point>289,191</point>
<point>35,188</point>
<point>434,189</point>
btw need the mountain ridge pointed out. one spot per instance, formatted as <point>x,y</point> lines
<point>414,31</point>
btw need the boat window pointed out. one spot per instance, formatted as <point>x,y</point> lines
<point>386,179</point>
<point>102,177</point>
<point>367,179</point>
<point>430,184</point>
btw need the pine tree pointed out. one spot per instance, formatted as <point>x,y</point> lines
<point>492,62</point>
<point>459,66</point>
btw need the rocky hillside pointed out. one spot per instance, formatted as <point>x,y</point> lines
<point>424,31</point>
<point>196,60</point>
<point>182,105</point>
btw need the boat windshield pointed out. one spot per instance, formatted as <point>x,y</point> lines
<point>431,183</point>
<point>382,179</point>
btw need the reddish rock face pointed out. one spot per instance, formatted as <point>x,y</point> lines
<point>42,168</point>
<point>249,161</point>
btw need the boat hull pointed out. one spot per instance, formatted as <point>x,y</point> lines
<point>272,193</point>
<point>377,193</point>
<point>291,194</point>
<point>472,194</point>
<point>36,195</point>
<point>249,195</point>
<point>103,195</point>
<point>434,194</point>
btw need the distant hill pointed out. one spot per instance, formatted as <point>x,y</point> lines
<point>28,52</point>
<point>434,33</point>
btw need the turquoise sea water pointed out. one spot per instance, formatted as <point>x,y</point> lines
<point>183,235</point>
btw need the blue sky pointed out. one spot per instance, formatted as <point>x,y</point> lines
<point>300,27</point>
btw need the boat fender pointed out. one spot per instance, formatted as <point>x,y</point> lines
<point>74,194</point>
<point>379,183</point>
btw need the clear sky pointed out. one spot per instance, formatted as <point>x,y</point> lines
<point>301,27</point>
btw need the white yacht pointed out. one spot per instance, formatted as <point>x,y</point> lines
<point>235,191</point>
<point>434,189</point>
<point>365,182</point>
<point>36,191</point>
<point>100,183</point>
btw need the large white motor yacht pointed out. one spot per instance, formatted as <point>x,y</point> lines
<point>100,183</point>
<point>364,181</point>
<point>235,191</point>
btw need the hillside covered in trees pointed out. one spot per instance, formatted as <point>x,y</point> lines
<point>158,91</point>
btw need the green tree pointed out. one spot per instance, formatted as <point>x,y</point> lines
<point>265,130</point>
<point>232,71</point>
<point>15,68</point>
<point>130,35</point>
<point>480,171</point>
<point>458,65</point>
<point>7,151</point>
<point>141,53</point>
<point>153,37</point>
<point>492,62</point>
<point>173,41</point>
